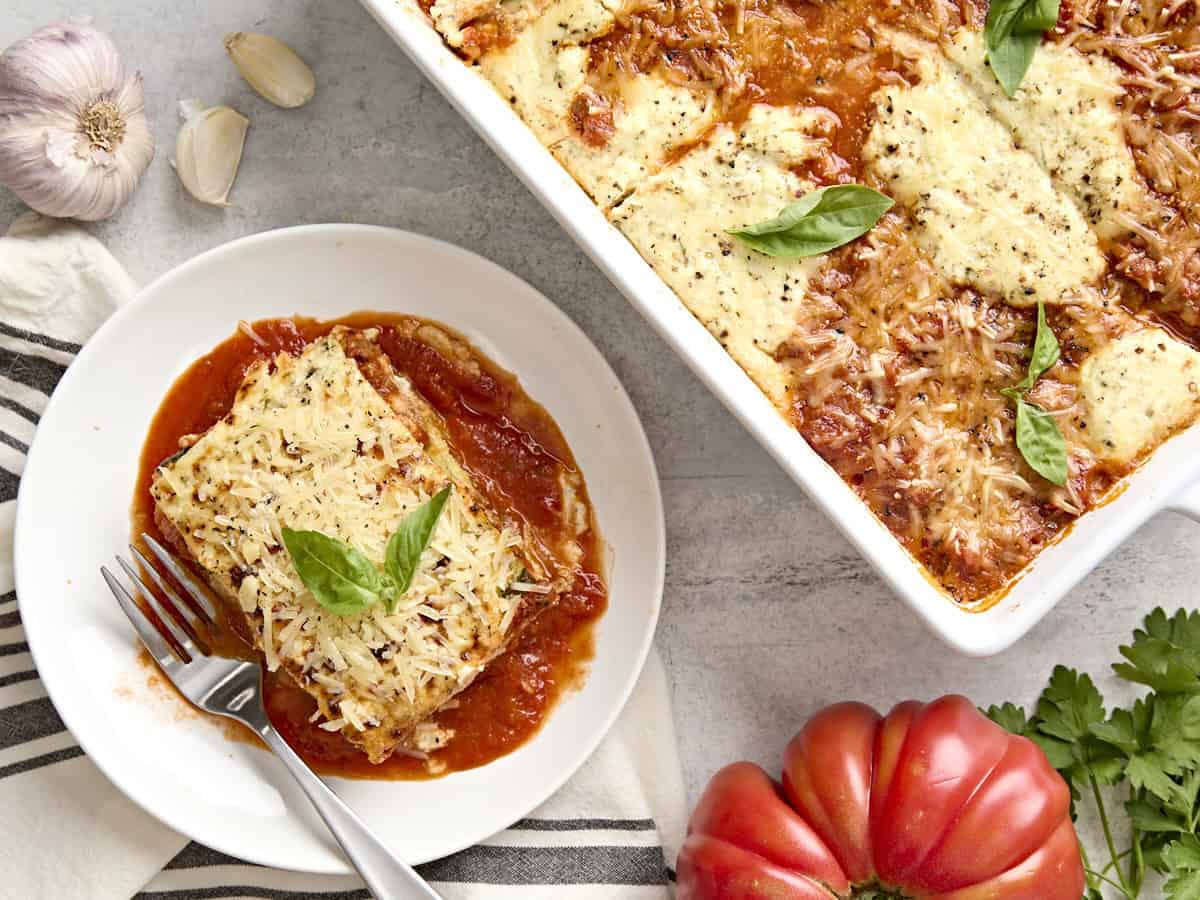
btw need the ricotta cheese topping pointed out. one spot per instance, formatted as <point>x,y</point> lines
<point>1066,116</point>
<point>986,210</point>
<point>1137,391</point>
<point>650,118</point>
<point>543,75</point>
<point>679,220</point>
<point>542,70</point>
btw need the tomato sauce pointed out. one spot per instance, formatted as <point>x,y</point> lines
<point>783,52</point>
<point>514,452</point>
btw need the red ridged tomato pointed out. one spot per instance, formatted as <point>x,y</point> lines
<point>933,802</point>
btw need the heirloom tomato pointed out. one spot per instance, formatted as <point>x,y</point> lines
<point>933,801</point>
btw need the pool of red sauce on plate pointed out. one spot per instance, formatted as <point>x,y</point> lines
<point>514,451</point>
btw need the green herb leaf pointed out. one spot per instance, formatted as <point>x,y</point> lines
<point>341,578</point>
<point>1149,752</point>
<point>1067,711</point>
<point>1060,754</point>
<point>1127,730</point>
<point>1041,442</point>
<point>818,222</point>
<point>1046,353</point>
<point>1175,730</point>
<point>1148,815</point>
<point>1013,32</point>
<point>409,542</point>
<point>1070,705</point>
<point>1038,436</point>
<point>1165,653</point>
<point>1011,718</point>
<point>1182,859</point>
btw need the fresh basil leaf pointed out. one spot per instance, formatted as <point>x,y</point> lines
<point>818,222</point>
<point>1046,353</point>
<point>409,542</point>
<point>1013,32</point>
<point>341,578</point>
<point>1037,16</point>
<point>1041,443</point>
<point>1011,58</point>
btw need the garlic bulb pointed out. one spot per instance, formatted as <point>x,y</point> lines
<point>272,68</point>
<point>74,139</point>
<point>208,150</point>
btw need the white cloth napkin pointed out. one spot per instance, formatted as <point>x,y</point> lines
<point>68,833</point>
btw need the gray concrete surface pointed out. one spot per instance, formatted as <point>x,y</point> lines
<point>768,612</point>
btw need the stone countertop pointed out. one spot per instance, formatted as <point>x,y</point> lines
<point>768,613</point>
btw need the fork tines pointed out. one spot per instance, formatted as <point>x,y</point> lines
<point>169,625</point>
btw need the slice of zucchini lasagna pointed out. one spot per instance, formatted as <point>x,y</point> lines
<point>334,441</point>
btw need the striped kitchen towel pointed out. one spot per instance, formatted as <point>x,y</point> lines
<point>68,833</point>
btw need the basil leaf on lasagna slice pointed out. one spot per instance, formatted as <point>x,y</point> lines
<point>334,441</point>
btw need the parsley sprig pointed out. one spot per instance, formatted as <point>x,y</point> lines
<point>1147,755</point>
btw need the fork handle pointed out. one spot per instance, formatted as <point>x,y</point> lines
<point>388,877</point>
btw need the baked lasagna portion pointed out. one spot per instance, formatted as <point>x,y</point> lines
<point>333,440</point>
<point>1079,195</point>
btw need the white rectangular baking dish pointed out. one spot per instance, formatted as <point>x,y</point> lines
<point>1171,480</point>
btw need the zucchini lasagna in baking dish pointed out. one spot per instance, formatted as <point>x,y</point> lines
<point>955,243</point>
<point>385,514</point>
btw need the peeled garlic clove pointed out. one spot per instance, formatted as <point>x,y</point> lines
<point>208,150</point>
<point>272,68</point>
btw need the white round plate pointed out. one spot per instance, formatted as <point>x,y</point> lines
<point>73,516</point>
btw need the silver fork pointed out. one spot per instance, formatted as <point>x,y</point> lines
<point>233,689</point>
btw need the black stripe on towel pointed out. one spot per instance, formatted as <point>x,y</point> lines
<point>244,890</point>
<point>20,409</point>
<point>25,722</point>
<point>6,438</point>
<point>37,762</point>
<point>505,865</point>
<point>584,825</point>
<point>14,648</point>
<point>194,856</point>
<point>8,485</point>
<point>13,617</point>
<point>550,865</point>
<point>34,338</point>
<point>32,371</point>
<point>18,677</point>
